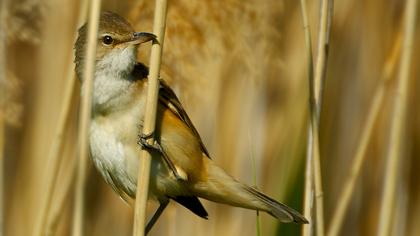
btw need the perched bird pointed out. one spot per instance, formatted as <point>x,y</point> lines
<point>181,168</point>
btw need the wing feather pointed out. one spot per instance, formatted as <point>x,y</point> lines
<point>168,98</point>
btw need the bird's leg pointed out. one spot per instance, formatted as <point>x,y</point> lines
<point>157,147</point>
<point>156,216</point>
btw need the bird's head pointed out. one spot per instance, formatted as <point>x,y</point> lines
<point>116,47</point>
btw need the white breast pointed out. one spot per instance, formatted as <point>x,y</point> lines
<point>115,155</point>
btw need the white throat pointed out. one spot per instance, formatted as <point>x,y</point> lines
<point>112,82</point>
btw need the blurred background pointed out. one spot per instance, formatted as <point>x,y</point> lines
<point>239,68</point>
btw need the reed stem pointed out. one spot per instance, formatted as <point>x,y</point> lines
<point>307,229</point>
<point>150,117</point>
<point>85,113</point>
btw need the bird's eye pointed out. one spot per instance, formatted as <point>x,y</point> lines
<point>107,40</point>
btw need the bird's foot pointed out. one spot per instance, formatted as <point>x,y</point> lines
<point>158,148</point>
<point>146,145</point>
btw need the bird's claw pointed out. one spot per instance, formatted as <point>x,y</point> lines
<point>146,145</point>
<point>158,148</point>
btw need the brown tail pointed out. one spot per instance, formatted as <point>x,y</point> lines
<point>222,188</point>
<point>277,209</point>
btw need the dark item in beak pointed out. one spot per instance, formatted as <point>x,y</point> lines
<point>142,37</point>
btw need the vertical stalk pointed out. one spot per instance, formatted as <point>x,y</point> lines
<point>318,87</point>
<point>316,83</point>
<point>322,51</point>
<point>85,113</point>
<point>3,74</point>
<point>307,229</point>
<point>395,150</point>
<point>319,198</point>
<point>150,117</point>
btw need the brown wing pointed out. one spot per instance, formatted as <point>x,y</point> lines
<point>168,98</point>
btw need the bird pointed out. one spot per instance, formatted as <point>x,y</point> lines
<point>181,167</point>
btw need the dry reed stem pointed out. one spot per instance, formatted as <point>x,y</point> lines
<point>322,51</point>
<point>313,168</point>
<point>316,97</point>
<point>3,48</point>
<point>307,229</point>
<point>85,111</point>
<point>159,25</point>
<point>319,206</point>
<point>359,157</point>
<point>308,193</point>
<point>395,150</point>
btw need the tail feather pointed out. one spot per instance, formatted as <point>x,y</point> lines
<point>277,209</point>
<point>222,188</point>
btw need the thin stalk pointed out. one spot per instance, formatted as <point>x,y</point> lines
<point>3,53</point>
<point>85,113</point>
<point>150,117</point>
<point>359,157</point>
<point>317,88</point>
<point>308,191</point>
<point>322,51</point>
<point>317,176</point>
<point>307,229</point>
<point>395,150</point>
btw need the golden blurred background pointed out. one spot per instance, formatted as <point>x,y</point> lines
<point>239,68</point>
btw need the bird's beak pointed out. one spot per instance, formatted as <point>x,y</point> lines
<point>141,37</point>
